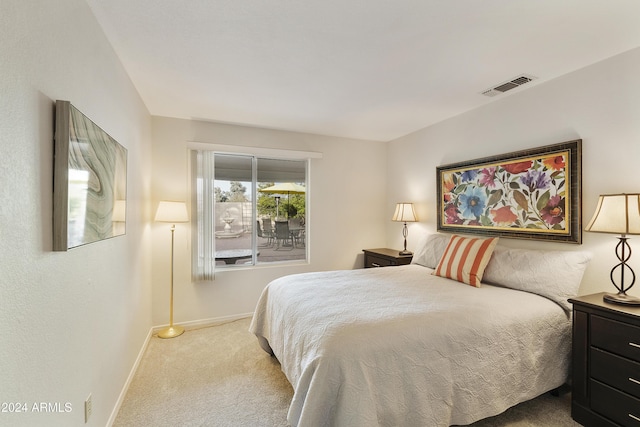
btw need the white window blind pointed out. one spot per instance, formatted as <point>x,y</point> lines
<point>204,262</point>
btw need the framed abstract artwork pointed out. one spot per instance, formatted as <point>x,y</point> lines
<point>530,194</point>
<point>89,183</point>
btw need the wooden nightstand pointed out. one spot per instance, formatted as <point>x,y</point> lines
<point>383,257</point>
<point>606,363</point>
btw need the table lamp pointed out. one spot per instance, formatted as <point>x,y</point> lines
<point>171,212</point>
<point>619,214</point>
<point>404,213</point>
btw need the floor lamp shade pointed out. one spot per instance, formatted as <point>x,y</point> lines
<point>619,214</point>
<point>171,212</point>
<point>405,213</point>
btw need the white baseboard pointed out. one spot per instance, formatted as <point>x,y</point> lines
<point>195,324</point>
<point>204,323</point>
<point>127,383</point>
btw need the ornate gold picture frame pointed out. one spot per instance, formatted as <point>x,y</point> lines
<point>529,194</point>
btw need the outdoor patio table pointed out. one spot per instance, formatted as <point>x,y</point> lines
<point>232,255</point>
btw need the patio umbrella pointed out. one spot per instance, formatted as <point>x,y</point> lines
<point>287,188</point>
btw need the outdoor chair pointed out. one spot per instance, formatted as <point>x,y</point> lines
<point>265,235</point>
<point>283,235</point>
<point>297,230</point>
<point>300,238</point>
<point>267,227</point>
<point>295,223</point>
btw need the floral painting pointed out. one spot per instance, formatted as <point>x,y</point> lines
<point>530,194</point>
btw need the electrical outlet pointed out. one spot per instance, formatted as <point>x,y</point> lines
<point>87,409</point>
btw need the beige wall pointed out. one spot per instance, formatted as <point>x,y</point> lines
<point>599,104</point>
<point>72,322</point>
<point>346,213</point>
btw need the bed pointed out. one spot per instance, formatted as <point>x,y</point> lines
<point>401,346</point>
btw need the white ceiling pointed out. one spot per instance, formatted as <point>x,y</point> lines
<point>370,69</point>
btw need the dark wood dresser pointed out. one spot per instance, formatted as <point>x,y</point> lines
<point>606,363</point>
<point>383,257</point>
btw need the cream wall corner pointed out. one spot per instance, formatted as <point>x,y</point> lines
<point>346,213</point>
<point>599,104</point>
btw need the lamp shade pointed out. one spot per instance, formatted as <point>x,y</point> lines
<point>616,214</point>
<point>404,213</point>
<point>172,212</point>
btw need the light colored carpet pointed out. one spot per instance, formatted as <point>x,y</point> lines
<point>219,376</point>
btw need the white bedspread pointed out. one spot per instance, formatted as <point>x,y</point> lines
<point>400,347</point>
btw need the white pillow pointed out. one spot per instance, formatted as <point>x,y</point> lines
<point>430,250</point>
<point>552,274</point>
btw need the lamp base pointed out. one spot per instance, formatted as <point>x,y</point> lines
<point>405,252</point>
<point>622,299</point>
<point>171,332</point>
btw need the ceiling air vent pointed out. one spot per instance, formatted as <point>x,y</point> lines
<point>508,85</point>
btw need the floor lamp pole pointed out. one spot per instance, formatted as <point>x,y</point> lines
<point>172,331</point>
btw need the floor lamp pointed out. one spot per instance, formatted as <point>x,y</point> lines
<point>171,212</point>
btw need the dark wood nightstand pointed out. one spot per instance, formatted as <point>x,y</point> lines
<point>383,257</point>
<point>606,363</point>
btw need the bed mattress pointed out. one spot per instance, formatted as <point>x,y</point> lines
<point>401,347</point>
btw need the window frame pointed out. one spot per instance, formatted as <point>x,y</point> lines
<point>255,153</point>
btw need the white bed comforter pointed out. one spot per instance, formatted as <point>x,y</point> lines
<point>401,347</point>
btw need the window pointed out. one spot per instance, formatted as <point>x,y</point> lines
<point>250,210</point>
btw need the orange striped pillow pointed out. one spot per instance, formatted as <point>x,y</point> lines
<point>465,259</point>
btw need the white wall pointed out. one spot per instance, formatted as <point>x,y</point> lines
<point>346,213</point>
<point>599,104</point>
<point>72,322</point>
